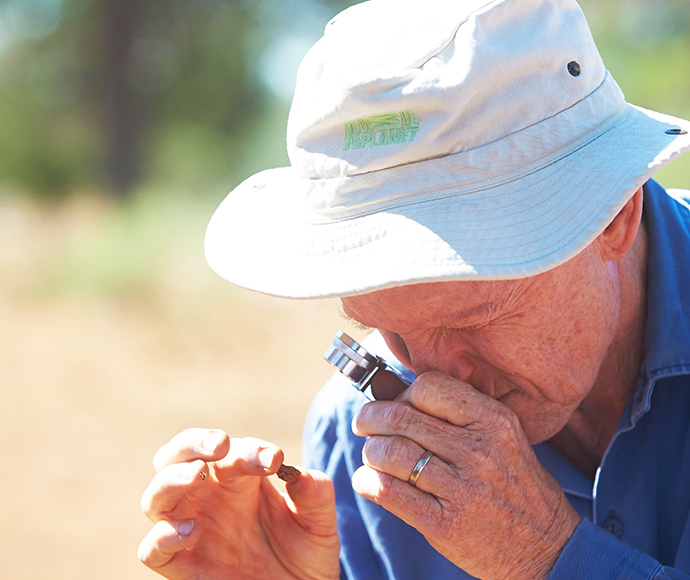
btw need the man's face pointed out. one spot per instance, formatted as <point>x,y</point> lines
<point>535,344</point>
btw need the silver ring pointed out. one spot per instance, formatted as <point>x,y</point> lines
<point>421,464</point>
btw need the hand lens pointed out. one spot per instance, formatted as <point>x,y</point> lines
<point>369,373</point>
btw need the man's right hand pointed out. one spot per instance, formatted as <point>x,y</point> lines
<point>217,515</point>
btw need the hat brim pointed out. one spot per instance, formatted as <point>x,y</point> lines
<point>262,239</point>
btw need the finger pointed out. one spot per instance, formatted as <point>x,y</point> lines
<point>396,418</point>
<point>419,509</point>
<point>166,541</point>
<point>398,456</point>
<point>191,444</point>
<point>248,457</point>
<point>452,400</point>
<point>230,457</point>
<point>170,485</point>
<point>313,499</point>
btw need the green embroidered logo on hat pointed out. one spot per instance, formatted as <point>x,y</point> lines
<point>383,129</point>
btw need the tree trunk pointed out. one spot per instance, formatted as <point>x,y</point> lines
<point>122,105</point>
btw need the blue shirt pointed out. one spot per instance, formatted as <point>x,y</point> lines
<point>636,513</point>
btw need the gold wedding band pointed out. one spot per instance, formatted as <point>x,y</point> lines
<point>421,464</point>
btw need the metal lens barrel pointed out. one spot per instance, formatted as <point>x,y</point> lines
<point>351,358</point>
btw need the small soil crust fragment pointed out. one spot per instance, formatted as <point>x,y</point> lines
<point>288,473</point>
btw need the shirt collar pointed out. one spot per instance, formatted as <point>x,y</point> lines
<point>569,477</point>
<point>667,333</point>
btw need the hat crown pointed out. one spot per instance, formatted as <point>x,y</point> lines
<point>394,82</point>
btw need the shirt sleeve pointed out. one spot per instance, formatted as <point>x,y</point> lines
<point>595,554</point>
<point>327,447</point>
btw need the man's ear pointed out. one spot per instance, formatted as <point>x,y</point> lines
<point>620,234</point>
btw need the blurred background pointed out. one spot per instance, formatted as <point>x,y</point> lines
<point>123,123</point>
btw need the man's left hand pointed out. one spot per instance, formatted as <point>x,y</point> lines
<point>483,500</point>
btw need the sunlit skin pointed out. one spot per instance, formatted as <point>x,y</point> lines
<point>561,349</point>
<point>243,527</point>
<point>500,365</point>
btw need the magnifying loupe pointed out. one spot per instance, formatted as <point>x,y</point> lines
<point>369,373</point>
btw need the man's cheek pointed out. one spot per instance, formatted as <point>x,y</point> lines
<point>539,420</point>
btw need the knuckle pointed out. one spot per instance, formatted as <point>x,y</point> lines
<point>391,450</point>
<point>508,425</point>
<point>501,420</point>
<point>483,462</point>
<point>248,442</point>
<point>248,446</point>
<point>404,457</point>
<point>447,520</point>
<point>424,378</point>
<point>435,390</point>
<point>375,451</point>
<point>145,502</point>
<point>370,451</point>
<point>157,460</point>
<point>400,416</point>
<point>145,553</point>
<point>423,385</point>
<point>143,557</point>
<point>430,382</point>
<point>388,451</point>
<point>383,489</point>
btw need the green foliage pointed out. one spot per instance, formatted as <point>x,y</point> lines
<point>646,46</point>
<point>182,90</point>
<point>127,250</point>
<point>187,95</point>
<point>206,118</point>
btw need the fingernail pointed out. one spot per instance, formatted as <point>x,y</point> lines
<point>188,470</point>
<point>185,528</point>
<point>212,440</point>
<point>266,458</point>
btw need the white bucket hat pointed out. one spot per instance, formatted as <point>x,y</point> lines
<point>437,140</point>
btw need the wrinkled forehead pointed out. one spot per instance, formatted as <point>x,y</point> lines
<point>435,303</point>
<point>467,302</point>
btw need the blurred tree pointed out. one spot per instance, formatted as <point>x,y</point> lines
<point>122,105</point>
<point>112,92</point>
<point>91,88</point>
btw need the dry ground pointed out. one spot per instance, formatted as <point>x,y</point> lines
<point>92,384</point>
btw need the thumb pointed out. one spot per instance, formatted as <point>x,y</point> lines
<point>313,498</point>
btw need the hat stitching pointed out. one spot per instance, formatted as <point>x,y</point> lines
<point>525,209</point>
<point>631,110</point>
<point>444,192</point>
<point>465,151</point>
<point>614,190</point>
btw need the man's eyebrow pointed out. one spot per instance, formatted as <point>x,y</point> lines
<point>471,316</point>
<point>353,321</point>
<point>467,319</point>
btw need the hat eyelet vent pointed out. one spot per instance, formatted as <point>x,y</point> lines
<point>676,131</point>
<point>574,68</point>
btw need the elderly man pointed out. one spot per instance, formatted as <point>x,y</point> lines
<point>468,177</point>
